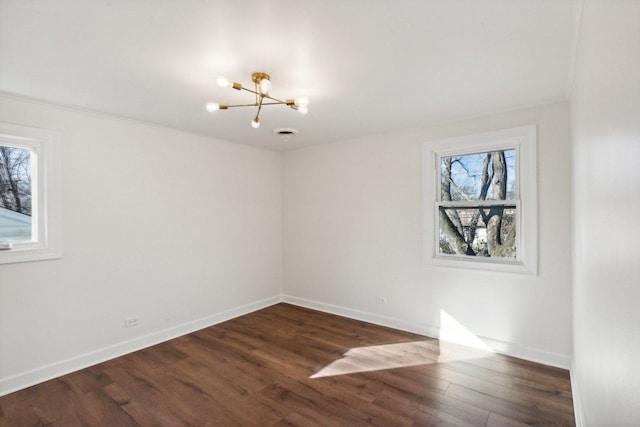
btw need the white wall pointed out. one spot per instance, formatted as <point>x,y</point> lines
<point>353,231</point>
<point>352,217</point>
<point>178,229</point>
<point>606,133</point>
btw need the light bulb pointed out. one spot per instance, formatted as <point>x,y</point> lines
<point>213,106</point>
<point>303,109</point>
<point>223,81</point>
<point>301,101</point>
<point>255,123</point>
<point>265,86</point>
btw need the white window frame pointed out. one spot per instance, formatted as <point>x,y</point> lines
<point>524,141</point>
<point>45,144</point>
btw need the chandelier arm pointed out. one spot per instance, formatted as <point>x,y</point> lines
<point>243,105</point>
<point>279,101</point>
<point>250,90</point>
<point>255,104</point>
<point>259,106</point>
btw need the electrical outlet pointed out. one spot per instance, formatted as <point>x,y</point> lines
<point>381,300</point>
<point>131,321</point>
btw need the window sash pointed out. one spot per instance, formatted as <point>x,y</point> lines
<point>507,204</point>
<point>34,147</point>
<point>477,203</point>
<point>524,140</point>
<point>488,147</point>
<point>468,204</point>
<point>45,242</point>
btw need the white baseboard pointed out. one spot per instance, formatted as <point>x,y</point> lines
<point>502,347</point>
<point>391,322</point>
<point>577,401</point>
<point>54,370</point>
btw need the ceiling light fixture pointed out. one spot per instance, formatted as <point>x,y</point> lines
<point>262,87</point>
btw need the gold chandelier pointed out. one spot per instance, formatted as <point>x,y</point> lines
<point>262,87</point>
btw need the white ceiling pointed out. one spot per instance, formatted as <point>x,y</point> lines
<point>368,66</point>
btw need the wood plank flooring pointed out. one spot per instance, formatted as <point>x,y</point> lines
<point>290,366</point>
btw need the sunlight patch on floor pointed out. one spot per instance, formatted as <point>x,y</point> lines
<point>378,357</point>
<point>456,343</point>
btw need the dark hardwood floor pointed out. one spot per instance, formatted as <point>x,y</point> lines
<point>290,366</point>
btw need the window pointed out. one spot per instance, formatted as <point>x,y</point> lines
<point>29,199</point>
<point>480,195</point>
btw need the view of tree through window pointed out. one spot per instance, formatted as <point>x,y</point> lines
<point>477,208</point>
<point>15,193</point>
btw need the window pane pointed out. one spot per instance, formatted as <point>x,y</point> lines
<point>480,176</point>
<point>484,232</point>
<point>15,194</point>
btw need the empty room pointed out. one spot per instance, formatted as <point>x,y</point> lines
<point>319,213</point>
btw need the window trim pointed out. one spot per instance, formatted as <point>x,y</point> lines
<point>524,140</point>
<point>46,197</point>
